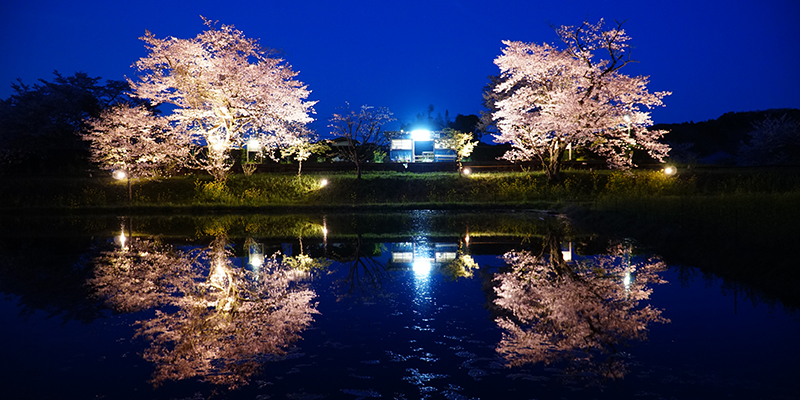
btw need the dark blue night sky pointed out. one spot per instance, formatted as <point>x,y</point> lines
<point>715,56</point>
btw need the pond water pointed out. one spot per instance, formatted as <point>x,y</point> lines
<point>405,305</point>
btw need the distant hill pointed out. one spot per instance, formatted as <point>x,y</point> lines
<point>716,141</point>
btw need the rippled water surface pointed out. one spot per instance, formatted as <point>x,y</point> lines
<point>404,306</point>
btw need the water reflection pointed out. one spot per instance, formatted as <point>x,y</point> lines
<point>580,312</point>
<point>213,320</point>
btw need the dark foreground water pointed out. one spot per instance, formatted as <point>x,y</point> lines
<point>403,306</point>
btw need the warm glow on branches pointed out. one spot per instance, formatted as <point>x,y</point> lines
<point>225,88</point>
<point>549,99</point>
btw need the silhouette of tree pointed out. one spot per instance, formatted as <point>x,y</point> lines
<point>40,125</point>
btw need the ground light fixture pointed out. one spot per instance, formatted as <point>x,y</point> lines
<point>670,170</point>
<point>466,171</point>
<point>323,183</point>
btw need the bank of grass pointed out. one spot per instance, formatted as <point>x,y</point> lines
<point>635,192</point>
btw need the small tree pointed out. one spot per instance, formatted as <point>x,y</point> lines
<point>363,130</point>
<point>302,147</point>
<point>224,87</point>
<point>135,140</point>
<point>551,99</point>
<point>459,142</point>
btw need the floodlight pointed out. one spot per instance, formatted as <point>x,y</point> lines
<point>670,170</point>
<point>420,135</point>
<point>119,174</point>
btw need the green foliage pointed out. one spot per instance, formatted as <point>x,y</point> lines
<point>213,192</point>
<point>378,156</point>
<point>304,263</point>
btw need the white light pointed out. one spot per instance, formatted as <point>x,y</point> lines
<point>467,171</point>
<point>323,183</point>
<point>420,135</point>
<point>670,170</point>
<point>422,266</point>
<point>253,145</point>
<point>626,280</point>
<point>119,174</point>
<point>122,239</point>
<point>257,261</point>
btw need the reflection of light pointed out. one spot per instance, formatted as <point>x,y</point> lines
<point>122,238</point>
<point>422,266</point>
<point>421,134</point>
<point>257,262</point>
<point>670,170</point>
<point>119,174</point>
<point>255,255</point>
<point>567,254</point>
<point>626,280</point>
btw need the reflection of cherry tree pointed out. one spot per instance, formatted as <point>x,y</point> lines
<point>225,323</point>
<point>365,274</point>
<point>142,274</point>
<point>581,312</point>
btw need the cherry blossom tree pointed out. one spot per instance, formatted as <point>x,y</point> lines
<point>225,89</point>
<point>773,141</point>
<point>134,140</point>
<point>551,98</point>
<point>579,312</point>
<point>302,146</point>
<point>363,130</point>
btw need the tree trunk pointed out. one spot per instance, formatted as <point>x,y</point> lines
<point>130,191</point>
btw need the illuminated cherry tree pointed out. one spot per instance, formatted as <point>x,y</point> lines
<point>302,146</point>
<point>225,89</point>
<point>551,99</point>
<point>213,320</point>
<point>135,141</point>
<point>580,313</point>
